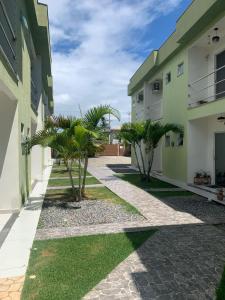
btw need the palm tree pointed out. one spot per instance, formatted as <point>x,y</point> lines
<point>69,145</point>
<point>133,133</point>
<point>153,132</point>
<point>94,120</point>
<point>145,137</point>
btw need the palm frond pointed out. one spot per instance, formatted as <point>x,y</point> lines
<point>94,115</point>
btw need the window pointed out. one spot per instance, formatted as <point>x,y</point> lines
<point>168,77</point>
<point>180,69</point>
<point>167,140</point>
<point>140,97</point>
<point>180,139</point>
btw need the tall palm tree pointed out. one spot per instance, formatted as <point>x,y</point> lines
<point>68,143</point>
<point>145,137</point>
<point>133,133</point>
<point>94,120</point>
<point>153,133</point>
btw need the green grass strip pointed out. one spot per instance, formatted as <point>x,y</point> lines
<point>66,182</point>
<point>135,179</point>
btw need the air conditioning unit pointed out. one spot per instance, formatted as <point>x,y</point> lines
<point>156,87</point>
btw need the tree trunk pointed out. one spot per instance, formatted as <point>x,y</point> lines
<point>138,164</point>
<point>143,162</point>
<point>71,180</point>
<point>79,183</point>
<point>85,174</point>
<point>150,164</point>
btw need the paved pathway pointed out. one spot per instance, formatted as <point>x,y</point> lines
<point>10,288</point>
<point>183,260</point>
<point>183,263</point>
<point>15,250</point>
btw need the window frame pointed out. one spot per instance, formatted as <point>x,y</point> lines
<point>179,68</point>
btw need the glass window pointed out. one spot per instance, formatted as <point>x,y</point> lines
<point>180,140</point>
<point>140,97</point>
<point>168,77</point>
<point>167,140</point>
<point>180,69</point>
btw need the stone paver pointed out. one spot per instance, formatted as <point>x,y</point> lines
<point>178,262</point>
<point>11,288</point>
<point>183,259</point>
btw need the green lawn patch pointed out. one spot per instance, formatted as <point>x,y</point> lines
<point>64,173</point>
<point>220,292</point>
<point>66,182</point>
<point>69,268</point>
<point>171,194</point>
<point>136,180</point>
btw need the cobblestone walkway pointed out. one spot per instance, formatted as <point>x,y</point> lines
<point>184,262</point>
<point>10,288</point>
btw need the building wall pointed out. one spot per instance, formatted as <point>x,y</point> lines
<point>175,111</point>
<point>17,118</point>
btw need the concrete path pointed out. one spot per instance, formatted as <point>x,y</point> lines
<point>15,251</point>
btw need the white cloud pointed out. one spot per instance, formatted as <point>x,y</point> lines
<point>95,45</point>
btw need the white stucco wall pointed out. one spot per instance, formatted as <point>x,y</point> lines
<point>201,146</point>
<point>9,154</point>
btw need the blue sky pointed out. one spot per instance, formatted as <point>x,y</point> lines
<point>98,44</point>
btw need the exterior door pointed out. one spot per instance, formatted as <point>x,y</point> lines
<point>220,159</point>
<point>220,75</point>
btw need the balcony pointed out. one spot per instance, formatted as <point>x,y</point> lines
<point>206,64</point>
<point>208,88</point>
<point>7,32</point>
<point>34,96</point>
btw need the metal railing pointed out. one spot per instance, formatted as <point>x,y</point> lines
<point>207,88</point>
<point>34,95</point>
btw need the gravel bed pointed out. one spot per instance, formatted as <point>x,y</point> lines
<point>88,212</point>
<point>209,212</point>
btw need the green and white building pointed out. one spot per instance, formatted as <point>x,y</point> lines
<point>26,97</point>
<point>183,82</point>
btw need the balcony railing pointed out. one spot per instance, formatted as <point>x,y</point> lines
<point>34,96</point>
<point>207,88</point>
<point>7,32</point>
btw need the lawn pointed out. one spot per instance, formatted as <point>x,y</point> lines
<point>99,193</point>
<point>136,180</point>
<point>220,293</point>
<point>64,173</point>
<point>69,268</point>
<point>66,182</point>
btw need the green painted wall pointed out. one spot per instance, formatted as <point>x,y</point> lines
<point>175,111</point>
<point>19,85</point>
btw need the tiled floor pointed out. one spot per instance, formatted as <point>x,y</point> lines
<point>10,288</point>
